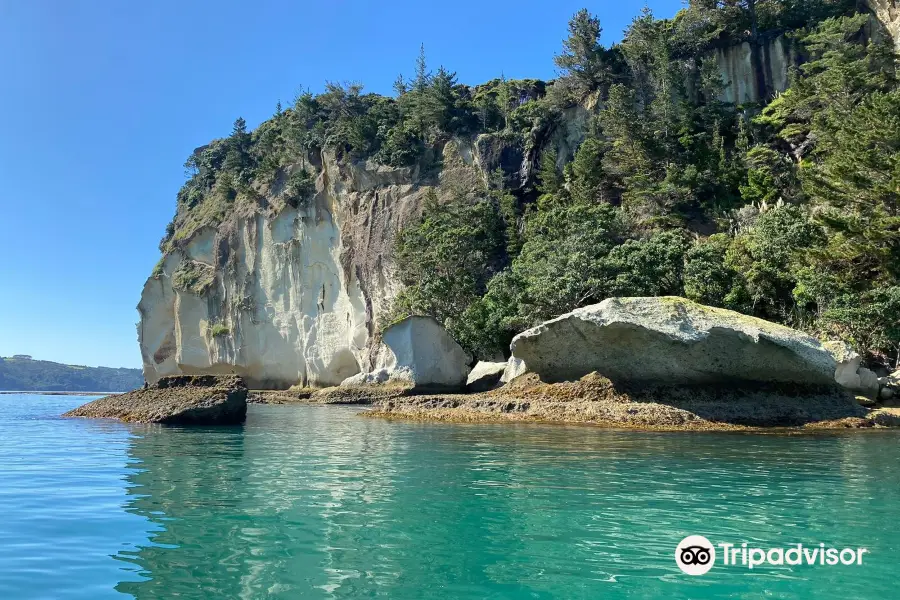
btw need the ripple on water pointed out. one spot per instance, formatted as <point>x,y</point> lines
<point>318,502</point>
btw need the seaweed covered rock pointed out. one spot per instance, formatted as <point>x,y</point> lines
<point>176,400</point>
<point>671,341</point>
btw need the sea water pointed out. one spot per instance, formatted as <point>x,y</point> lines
<point>319,502</point>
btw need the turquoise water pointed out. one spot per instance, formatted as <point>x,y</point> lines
<point>316,502</point>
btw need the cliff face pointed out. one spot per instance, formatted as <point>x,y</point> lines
<point>298,294</point>
<point>888,13</point>
<point>743,82</point>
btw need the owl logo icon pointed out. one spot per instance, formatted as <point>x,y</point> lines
<point>695,555</point>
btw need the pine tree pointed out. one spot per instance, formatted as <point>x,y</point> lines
<point>588,180</point>
<point>549,179</point>
<point>582,55</point>
<point>504,99</point>
<point>423,77</point>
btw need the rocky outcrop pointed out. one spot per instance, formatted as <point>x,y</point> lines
<point>485,376</point>
<point>181,400</point>
<point>289,296</point>
<point>671,341</point>
<point>594,399</point>
<point>417,352</point>
<point>753,73</point>
<point>850,374</point>
<point>888,13</point>
<point>295,294</point>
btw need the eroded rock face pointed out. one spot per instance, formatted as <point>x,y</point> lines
<point>888,13</point>
<point>744,82</point>
<point>180,400</point>
<point>671,341</point>
<point>418,352</point>
<point>294,296</point>
<point>849,374</point>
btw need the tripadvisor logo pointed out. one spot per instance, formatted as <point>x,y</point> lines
<point>696,555</point>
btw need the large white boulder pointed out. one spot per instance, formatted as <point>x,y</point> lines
<point>514,368</point>
<point>419,352</point>
<point>671,341</point>
<point>849,374</point>
<point>848,361</point>
<point>485,376</point>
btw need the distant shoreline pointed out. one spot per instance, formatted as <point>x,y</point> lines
<point>58,393</point>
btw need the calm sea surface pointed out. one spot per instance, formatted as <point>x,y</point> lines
<point>317,502</point>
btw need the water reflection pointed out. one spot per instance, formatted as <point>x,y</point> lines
<point>318,502</point>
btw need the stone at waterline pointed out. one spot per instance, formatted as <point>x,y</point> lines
<point>848,373</point>
<point>417,352</point>
<point>671,341</point>
<point>485,376</point>
<point>176,400</point>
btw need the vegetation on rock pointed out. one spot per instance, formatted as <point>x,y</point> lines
<point>194,277</point>
<point>219,329</point>
<point>787,209</point>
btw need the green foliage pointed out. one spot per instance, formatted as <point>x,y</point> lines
<point>765,257</point>
<point>769,174</point>
<point>447,258</point>
<point>26,374</point>
<point>588,179</point>
<point>194,277</point>
<point>857,182</point>
<point>299,186</point>
<point>158,267</point>
<point>582,57</point>
<point>815,242</point>
<point>870,322</point>
<point>488,324</point>
<point>648,267</point>
<point>219,330</point>
<point>561,265</point>
<point>707,277</point>
<point>549,179</point>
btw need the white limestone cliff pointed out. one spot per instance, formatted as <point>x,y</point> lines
<point>292,297</point>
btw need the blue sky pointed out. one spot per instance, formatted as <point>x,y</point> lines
<point>102,101</point>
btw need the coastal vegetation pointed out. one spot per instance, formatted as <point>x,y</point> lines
<point>784,208</point>
<point>23,373</point>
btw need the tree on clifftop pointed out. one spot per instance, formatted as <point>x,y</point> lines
<point>582,55</point>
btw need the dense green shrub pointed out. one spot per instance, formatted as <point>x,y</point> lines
<point>447,258</point>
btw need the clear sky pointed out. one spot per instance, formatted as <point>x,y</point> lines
<point>102,101</point>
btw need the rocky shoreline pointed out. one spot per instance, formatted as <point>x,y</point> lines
<point>176,400</point>
<point>595,400</point>
<point>657,363</point>
<point>648,363</point>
